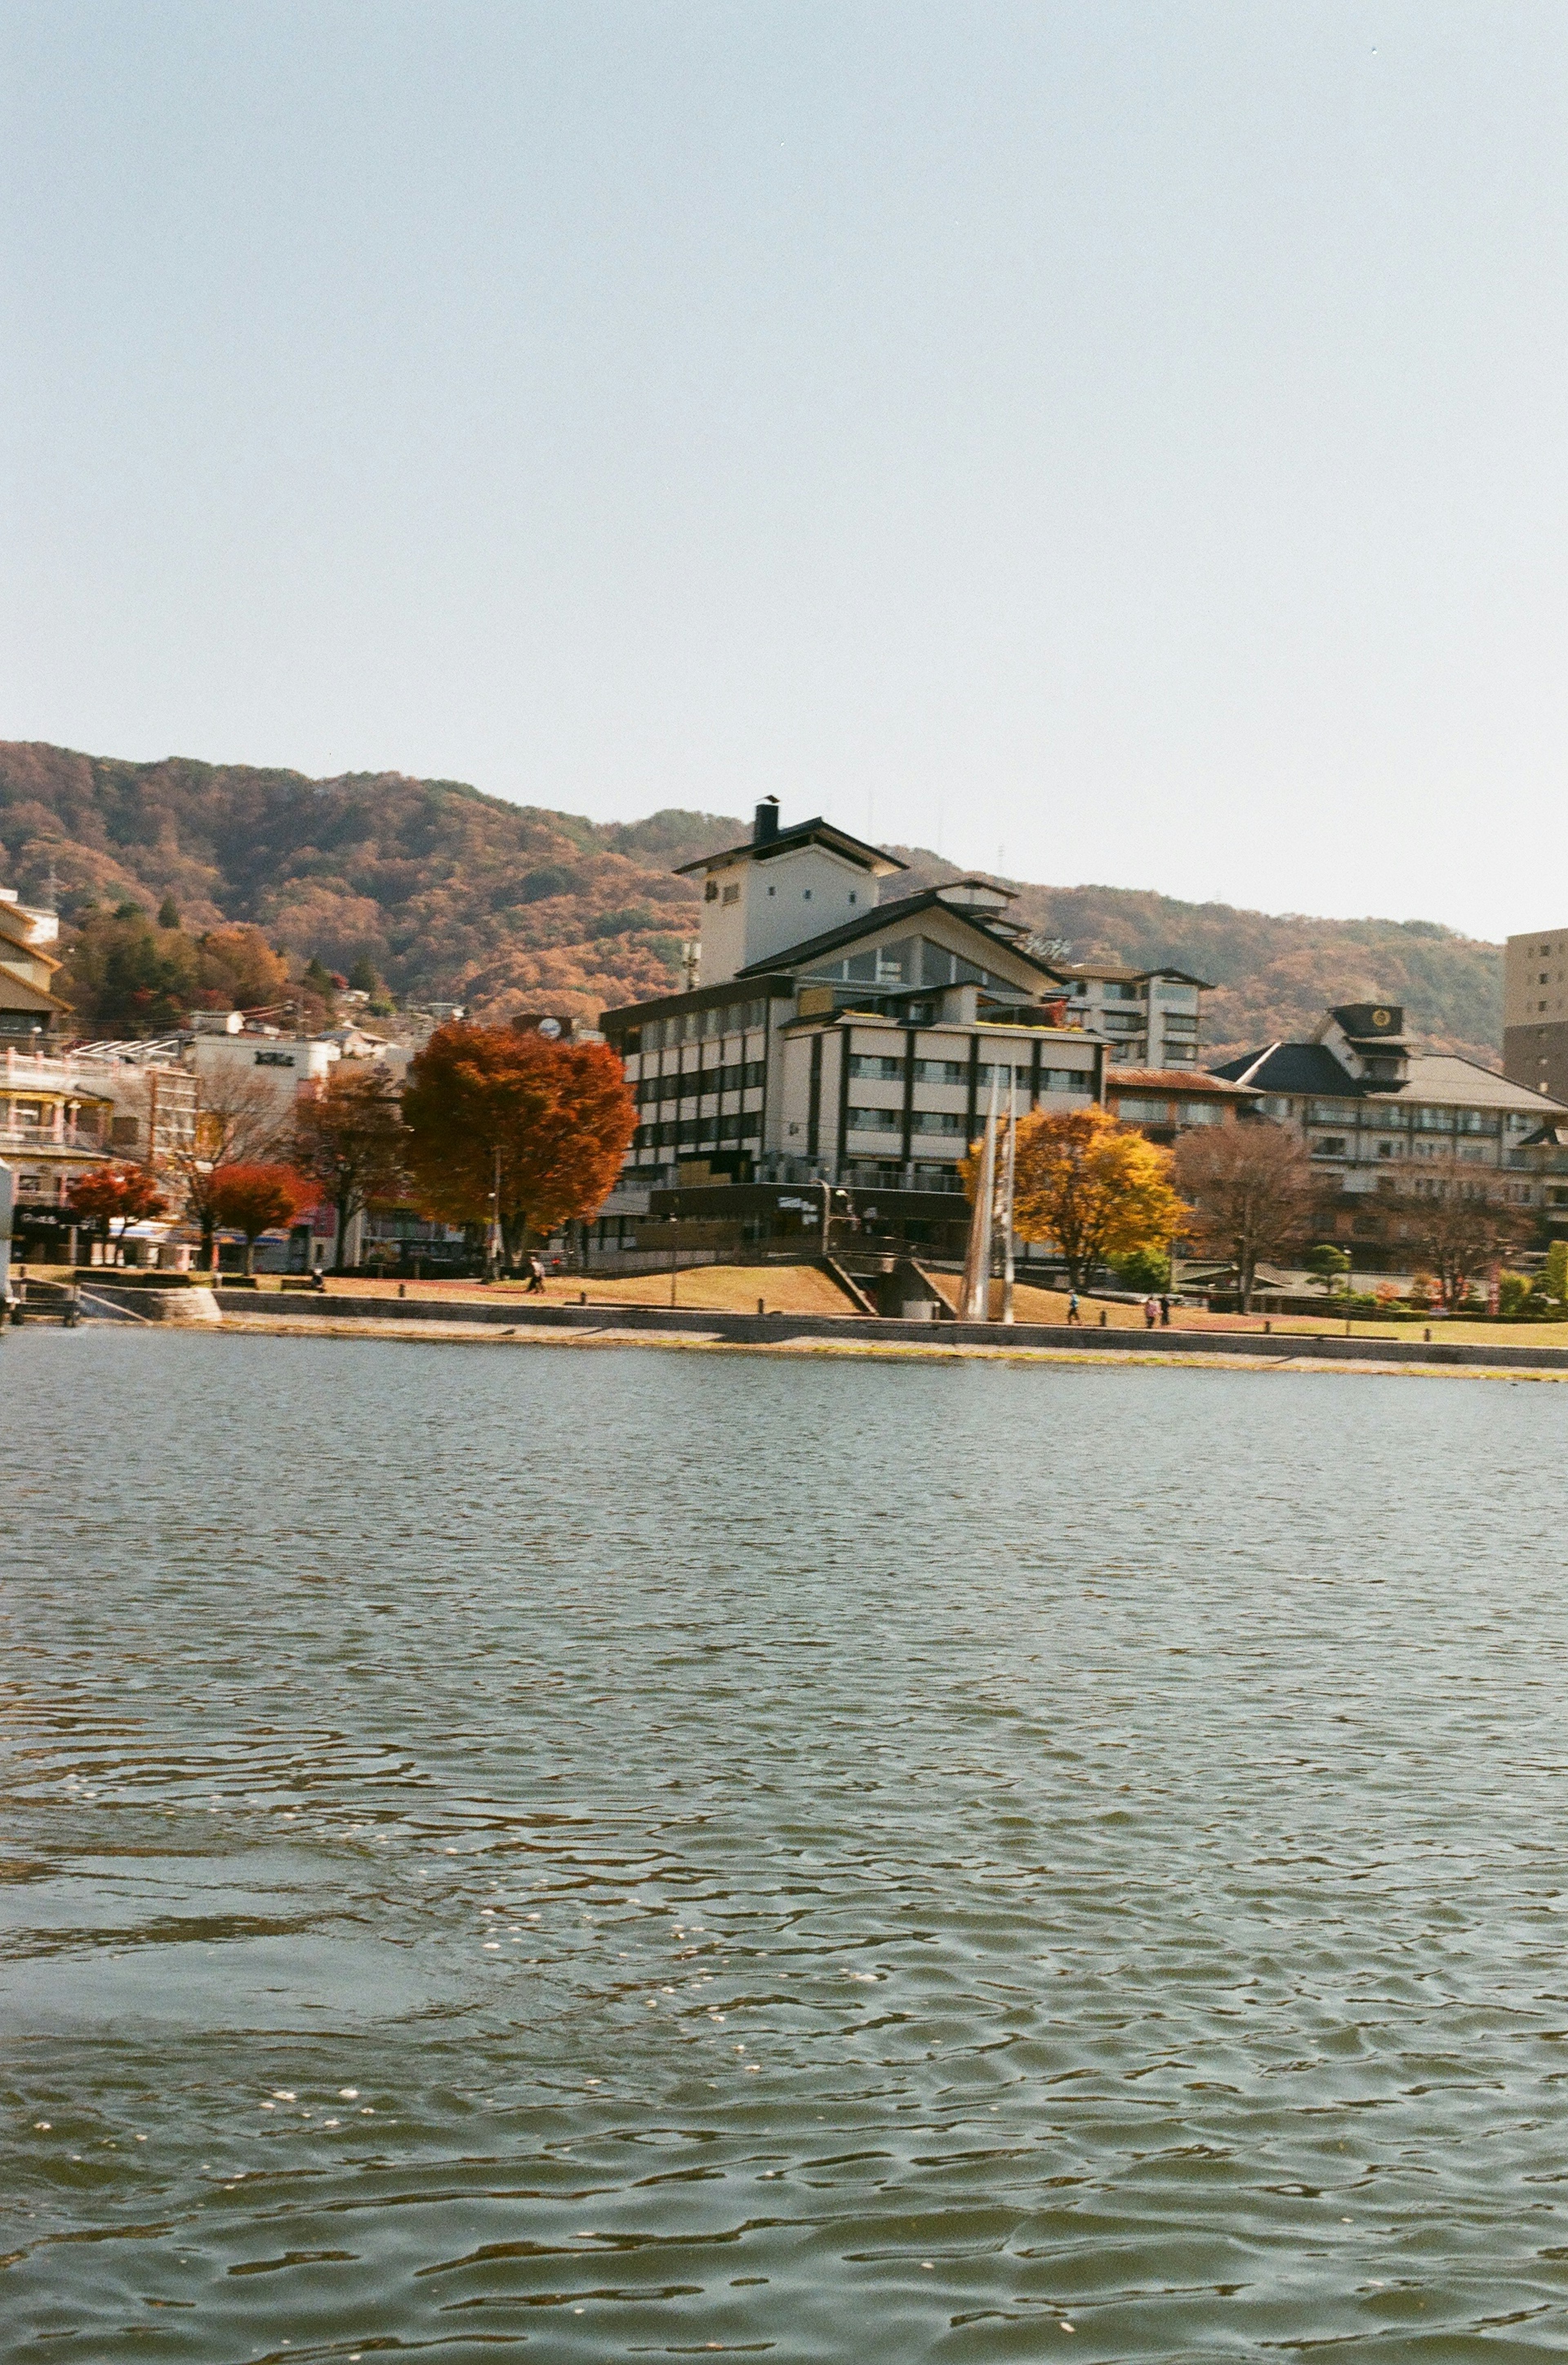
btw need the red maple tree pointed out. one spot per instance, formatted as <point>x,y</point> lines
<point>509,1123</point>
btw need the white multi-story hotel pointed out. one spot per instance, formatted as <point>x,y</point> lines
<point>1150,1017</point>
<point>837,1037</point>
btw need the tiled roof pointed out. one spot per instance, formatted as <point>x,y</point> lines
<point>1311,1070</point>
<point>794,957</point>
<point>805,833</point>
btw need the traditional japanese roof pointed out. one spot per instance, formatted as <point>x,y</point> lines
<point>1311,1070</point>
<point>997,937</point>
<point>1124,969</point>
<point>788,841</point>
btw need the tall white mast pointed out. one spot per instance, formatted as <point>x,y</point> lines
<point>1009,1179</point>
<point>977,1263</point>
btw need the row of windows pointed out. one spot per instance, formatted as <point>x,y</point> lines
<point>695,1026</point>
<point>737,1077</point>
<point>692,1132</point>
<point>949,1122</point>
<point>1424,1117</point>
<point>874,1066</point>
<point>1151,1111</point>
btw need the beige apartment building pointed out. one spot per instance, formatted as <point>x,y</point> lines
<point>1535,1010</point>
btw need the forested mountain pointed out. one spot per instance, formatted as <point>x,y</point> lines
<point>446,892</point>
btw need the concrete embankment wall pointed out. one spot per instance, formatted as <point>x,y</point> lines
<point>771,1329</point>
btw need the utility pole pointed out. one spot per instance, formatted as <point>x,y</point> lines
<point>493,1246</point>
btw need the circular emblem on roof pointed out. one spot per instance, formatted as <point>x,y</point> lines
<point>1382,1017</point>
<point>549,1028</point>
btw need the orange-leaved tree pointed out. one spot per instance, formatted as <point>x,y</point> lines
<point>507,1122</point>
<point>111,1195</point>
<point>1092,1187</point>
<point>257,1198</point>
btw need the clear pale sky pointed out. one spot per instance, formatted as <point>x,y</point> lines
<point>1117,442</point>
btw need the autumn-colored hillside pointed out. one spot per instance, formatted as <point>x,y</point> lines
<point>446,892</point>
<point>1276,973</point>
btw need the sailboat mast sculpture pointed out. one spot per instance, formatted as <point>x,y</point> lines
<point>1009,1180</point>
<point>976,1304</point>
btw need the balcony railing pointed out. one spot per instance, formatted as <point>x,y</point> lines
<point>41,1141</point>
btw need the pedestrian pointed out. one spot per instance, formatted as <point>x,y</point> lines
<point>535,1278</point>
<point>1150,1313</point>
<point>1165,1310</point>
<point>1072,1313</point>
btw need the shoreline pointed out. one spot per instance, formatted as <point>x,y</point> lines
<point>601,1335</point>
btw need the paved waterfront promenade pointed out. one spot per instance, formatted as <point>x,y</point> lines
<point>524,1322</point>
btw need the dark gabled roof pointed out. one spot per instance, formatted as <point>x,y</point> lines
<point>1292,1068</point>
<point>805,833</point>
<point>1103,969</point>
<point>1440,1077</point>
<point>907,907</point>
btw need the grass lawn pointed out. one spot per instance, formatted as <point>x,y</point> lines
<point>706,1288</point>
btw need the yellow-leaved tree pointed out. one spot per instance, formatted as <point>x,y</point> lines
<point>1089,1187</point>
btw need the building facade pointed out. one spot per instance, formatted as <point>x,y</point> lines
<point>1150,1017</point>
<point>861,1053</point>
<point>30,1014</point>
<point>1535,1012</point>
<point>1388,1127</point>
<point>1164,1103</point>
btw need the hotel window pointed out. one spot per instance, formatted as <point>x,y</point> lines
<point>1200,1112</point>
<point>941,1071</point>
<point>940,1121</point>
<point>1330,1145</point>
<point>874,1120</point>
<point>875,1066</point>
<point>1066,1079</point>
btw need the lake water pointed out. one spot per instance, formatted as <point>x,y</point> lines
<point>620,1855</point>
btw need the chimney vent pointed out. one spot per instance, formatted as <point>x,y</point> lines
<point>765,827</point>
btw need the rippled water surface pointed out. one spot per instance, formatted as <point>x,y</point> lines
<point>612,1855</point>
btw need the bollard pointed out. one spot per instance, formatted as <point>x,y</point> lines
<point>582,1297</point>
<point>762,1305</point>
<point>1428,1337</point>
<point>1102,1318</point>
<point>402,1289</point>
<point>1268,1327</point>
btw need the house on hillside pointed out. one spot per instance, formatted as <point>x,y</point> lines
<point>30,1014</point>
<point>1388,1126</point>
<point>842,1034</point>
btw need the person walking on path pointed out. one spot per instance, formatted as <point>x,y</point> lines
<point>1150,1313</point>
<point>1165,1310</point>
<point>535,1278</point>
<point>1072,1313</point>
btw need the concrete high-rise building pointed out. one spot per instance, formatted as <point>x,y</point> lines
<point>1535,1010</point>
